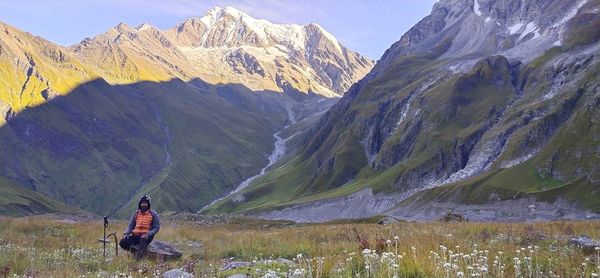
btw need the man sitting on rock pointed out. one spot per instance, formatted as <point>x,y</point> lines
<point>143,226</point>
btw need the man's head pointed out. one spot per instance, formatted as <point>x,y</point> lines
<point>144,203</point>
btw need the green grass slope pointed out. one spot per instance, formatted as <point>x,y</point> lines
<point>18,201</point>
<point>101,146</point>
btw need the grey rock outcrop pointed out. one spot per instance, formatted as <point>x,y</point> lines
<point>588,245</point>
<point>162,250</point>
<point>177,273</point>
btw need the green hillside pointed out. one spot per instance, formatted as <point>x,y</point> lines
<point>101,146</point>
<point>520,127</point>
<point>19,201</point>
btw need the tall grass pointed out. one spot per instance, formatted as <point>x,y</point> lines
<point>43,247</point>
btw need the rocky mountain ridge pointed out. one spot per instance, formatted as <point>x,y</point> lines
<point>478,103</point>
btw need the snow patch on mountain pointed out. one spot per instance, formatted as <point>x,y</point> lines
<point>145,27</point>
<point>529,28</point>
<point>514,29</point>
<point>570,14</point>
<point>476,8</point>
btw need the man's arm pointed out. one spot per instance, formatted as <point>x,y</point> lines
<point>131,224</point>
<point>155,224</point>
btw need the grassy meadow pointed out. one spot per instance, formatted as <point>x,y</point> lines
<point>52,247</point>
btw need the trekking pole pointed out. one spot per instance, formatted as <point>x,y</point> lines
<point>114,235</point>
<point>104,238</point>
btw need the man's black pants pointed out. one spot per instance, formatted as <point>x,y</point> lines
<point>127,242</point>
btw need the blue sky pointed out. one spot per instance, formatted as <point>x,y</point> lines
<point>366,26</point>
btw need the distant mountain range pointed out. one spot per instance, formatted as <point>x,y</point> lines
<point>226,46</point>
<point>185,114</point>
<point>490,108</point>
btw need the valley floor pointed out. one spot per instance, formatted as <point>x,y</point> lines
<point>51,246</point>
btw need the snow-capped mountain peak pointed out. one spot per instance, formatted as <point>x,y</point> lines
<point>215,14</point>
<point>144,27</point>
<point>227,45</point>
